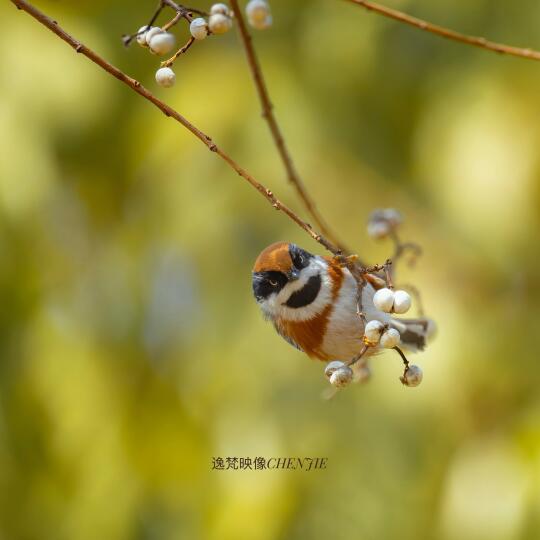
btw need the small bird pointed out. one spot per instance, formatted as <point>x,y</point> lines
<point>312,302</point>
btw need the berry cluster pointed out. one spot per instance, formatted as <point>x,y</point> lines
<point>391,301</point>
<point>220,20</point>
<point>379,335</point>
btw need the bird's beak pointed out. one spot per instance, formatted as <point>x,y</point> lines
<point>293,275</point>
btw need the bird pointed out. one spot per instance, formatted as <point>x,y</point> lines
<point>313,303</point>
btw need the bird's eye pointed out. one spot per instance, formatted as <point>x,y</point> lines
<point>273,283</point>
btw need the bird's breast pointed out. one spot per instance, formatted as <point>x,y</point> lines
<point>332,329</point>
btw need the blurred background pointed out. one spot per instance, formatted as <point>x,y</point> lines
<point>131,349</point>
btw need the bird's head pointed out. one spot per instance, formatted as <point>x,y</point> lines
<point>285,279</point>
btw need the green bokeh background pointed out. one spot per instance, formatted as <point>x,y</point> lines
<point>131,350</point>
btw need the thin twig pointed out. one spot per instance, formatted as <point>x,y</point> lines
<point>182,12</point>
<point>268,114</point>
<point>186,12</point>
<point>172,22</point>
<point>128,39</point>
<point>169,111</point>
<point>173,58</point>
<point>441,31</point>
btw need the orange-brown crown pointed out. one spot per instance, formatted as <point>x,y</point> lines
<point>275,257</point>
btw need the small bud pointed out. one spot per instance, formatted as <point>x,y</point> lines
<point>220,9</point>
<point>258,14</point>
<point>154,30</point>
<point>384,300</point>
<point>402,302</point>
<point>413,376</point>
<point>219,23</point>
<point>141,36</point>
<point>390,338</point>
<point>198,28</point>
<point>332,366</point>
<point>373,331</point>
<point>341,377</point>
<point>165,77</point>
<point>162,43</point>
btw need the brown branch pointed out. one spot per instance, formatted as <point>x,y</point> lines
<point>169,111</point>
<point>441,31</point>
<point>268,114</point>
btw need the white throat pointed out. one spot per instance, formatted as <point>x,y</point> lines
<point>275,307</point>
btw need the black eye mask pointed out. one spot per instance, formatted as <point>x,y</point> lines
<point>266,283</point>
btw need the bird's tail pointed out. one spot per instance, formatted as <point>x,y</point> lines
<point>415,333</point>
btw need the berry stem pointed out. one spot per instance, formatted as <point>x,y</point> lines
<point>170,61</point>
<point>358,356</point>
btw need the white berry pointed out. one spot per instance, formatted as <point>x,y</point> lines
<point>413,376</point>
<point>221,9</point>
<point>257,11</point>
<point>341,377</point>
<point>390,338</point>
<point>162,43</point>
<point>393,216</point>
<point>378,229</point>
<point>198,28</point>
<point>402,302</point>
<point>373,331</point>
<point>219,23</point>
<point>154,30</point>
<point>165,77</point>
<point>332,366</point>
<point>262,25</point>
<point>141,36</point>
<point>384,299</point>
